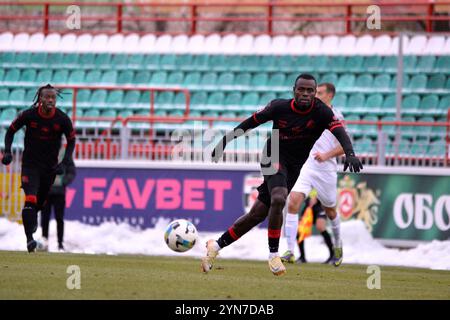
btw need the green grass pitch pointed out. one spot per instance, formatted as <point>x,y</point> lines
<point>44,276</point>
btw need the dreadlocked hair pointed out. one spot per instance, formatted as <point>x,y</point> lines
<point>37,96</point>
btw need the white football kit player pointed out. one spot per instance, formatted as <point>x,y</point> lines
<point>321,176</point>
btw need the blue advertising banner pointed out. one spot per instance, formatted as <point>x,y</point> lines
<point>212,199</point>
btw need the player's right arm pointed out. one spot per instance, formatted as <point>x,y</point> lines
<point>257,118</point>
<point>18,123</point>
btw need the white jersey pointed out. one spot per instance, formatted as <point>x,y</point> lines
<point>325,143</point>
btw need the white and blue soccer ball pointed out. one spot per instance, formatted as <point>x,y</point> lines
<point>181,235</point>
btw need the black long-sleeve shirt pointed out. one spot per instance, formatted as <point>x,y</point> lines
<point>298,129</point>
<point>42,137</point>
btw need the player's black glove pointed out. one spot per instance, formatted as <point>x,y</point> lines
<point>217,153</point>
<point>60,168</point>
<point>7,158</point>
<point>352,162</point>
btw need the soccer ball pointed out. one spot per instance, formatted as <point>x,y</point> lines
<point>180,235</point>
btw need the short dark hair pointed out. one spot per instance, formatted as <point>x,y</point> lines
<point>329,86</point>
<point>305,76</point>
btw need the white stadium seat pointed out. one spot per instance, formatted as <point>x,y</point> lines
<point>363,45</point>
<point>261,44</point>
<point>312,45</point>
<point>20,42</point>
<point>212,44</point>
<point>99,43</point>
<point>446,47</point>
<point>6,39</point>
<point>115,43</point>
<point>347,45</point>
<point>83,43</point>
<point>147,43</point>
<point>51,42</point>
<point>278,45</point>
<point>179,43</point>
<point>244,44</point>
<point>329,45</point>
<point>381,45</point>
<point>36,42</point>
<point>416,45</point>
<point>163,43</point>
<point>295,45</point>
<point>67,43</point>
<point>131,42</point>
<point>228,43</point>
<point>195,44</point>
<point>435,45</point>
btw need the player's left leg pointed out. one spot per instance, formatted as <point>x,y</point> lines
<point>59,203</point>
<point>30,183</point>
<point>321,225</point>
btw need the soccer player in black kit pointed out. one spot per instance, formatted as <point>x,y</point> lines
<point>300,122</point>
<point>45,124</point>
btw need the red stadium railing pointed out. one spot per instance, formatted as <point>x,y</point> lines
<point>192,14</point>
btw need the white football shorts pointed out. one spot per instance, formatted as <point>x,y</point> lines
<point>325,182</point>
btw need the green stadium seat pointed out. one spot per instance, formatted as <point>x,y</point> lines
<point>423,131</point>
<point>389,63</point>
<point>198,99</point>
<point>356,103</point>
<point>374,103</point>
<point>410,104</point>
<point>158,78</point>
<point>302,63</point>
<point>28,75</point>
<point>365,146</point>
<point>114,99</point>
<point>102,61</point>
<point>429,104</point>
<point>183,61</point>
<point>119,61</point>
<point>93,77</point>
<point>418,81</point>
<point>135,61</point>
<point>439,131</point>
<point>265,98</point>
<point>370,130</point>
<point>89,123</point>
<point>409,62</point>
<point>406,130</point>
<point>30,95</point>
<point>372,63</point>
<point>217,62</point>
<point>7,59</point>
<point>180,100</point>
<point>250,99</point>
<point>7,116</point>
<point>290,79</point>
<point>109,77</point>
<point>106,114</point>
<point>125,77</point>
<point>208,79</point>
<point>98,98</point>
<point>443,63</point>
<point>142,77</point>
<point>233,63</point>
<point>17,98</point>
<point>61,76</point>
<point>22,59</point>
<point>38,59</point>
<point>65,101</point>
<point>243,79</point>
<point>251,63</point>
<point>436,81</point>
<point>164,99</point>
<point>284,62</point>
<point>225,79</point>
<point>168,62</point>
<point>70,60</point>
<point>77,77</point>
<point>192,79</point>
<point>54,60</point>
<point>83,98</point>
<point>425,63</point>
<point>276,80</point>
<point>444,103</point>
<point>151,61</point>
<point>268,63</point>
<point>44,76</point>
<point>328,77</point>
<point>200,62</point>
<point>132,99</point>
<point>389,129</point>
<point>340,101</point>
<point>437,149</point>
<point>336,64</point>
<point>319,63</point>
<point>232,101</point>
<point>354,63</point>
<point>12,76</point>
<point>175,78</point>
<point>86,60</point>
<point>216,99</point>
<point>364,82</point>
<point>4,97</point>
<point>346,81</point>
<point>389,103</point>
<point>2,74</point>
<point>259,79</point>
<point>382,81</point>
